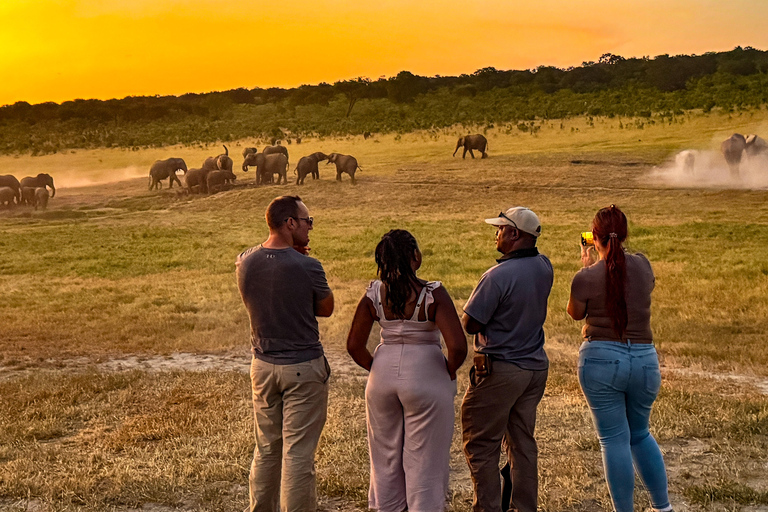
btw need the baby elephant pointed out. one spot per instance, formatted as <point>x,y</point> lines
<point>308,165</point>
<point>7,196</point>
<point>216,179</point>
<point>344,163</point>
<point>196,180</point>
<point>41,198</point>
<point>28,196</point>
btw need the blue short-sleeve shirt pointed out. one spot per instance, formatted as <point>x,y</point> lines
<point>511,301</point>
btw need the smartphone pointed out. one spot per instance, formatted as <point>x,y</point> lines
<point>587,238</point>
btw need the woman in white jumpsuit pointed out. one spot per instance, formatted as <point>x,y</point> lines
<point>411,387</point>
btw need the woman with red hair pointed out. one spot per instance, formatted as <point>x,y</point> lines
<point>618,366</point>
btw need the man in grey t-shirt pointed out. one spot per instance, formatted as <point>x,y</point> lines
<point>506,313</point>
<point>284,290</point>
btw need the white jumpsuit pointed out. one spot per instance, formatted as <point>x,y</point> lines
<point>410,415</point>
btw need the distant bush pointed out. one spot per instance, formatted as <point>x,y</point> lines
<point>613,86</point>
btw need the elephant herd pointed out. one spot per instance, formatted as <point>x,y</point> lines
<point>737,145</point>
<point>31,190</point>
<point>216,172</point>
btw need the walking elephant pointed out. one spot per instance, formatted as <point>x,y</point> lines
<point>470,142</point>
<point>41,198</point>
<point>196,179</point>
<point>7,196</point>
<point>28,195</point>
<point>344,163</point>
<point>163,169</point>
<point>41,180</point>
<point>732,148</point>
<point>215,180</point>
<point>11,182</point>
<point>308,165</point>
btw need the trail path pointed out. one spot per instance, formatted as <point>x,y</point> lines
<point>342,366</point>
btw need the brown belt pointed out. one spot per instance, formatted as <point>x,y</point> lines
<point>623,342</point>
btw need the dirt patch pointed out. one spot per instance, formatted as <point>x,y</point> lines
<point>341,364</point>
<point>726,380</point>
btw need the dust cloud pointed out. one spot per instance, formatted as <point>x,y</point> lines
<point>73,178</point>
<point>692,168</point>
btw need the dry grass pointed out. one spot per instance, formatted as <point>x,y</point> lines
<point>112,269</point>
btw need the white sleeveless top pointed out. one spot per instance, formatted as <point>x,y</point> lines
<point>411,331</point>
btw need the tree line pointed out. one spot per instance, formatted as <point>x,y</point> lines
<point>612,86</point>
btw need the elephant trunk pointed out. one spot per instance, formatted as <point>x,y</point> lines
<point>53,190</point>
<point>458,145</point>
<point>245,167</point>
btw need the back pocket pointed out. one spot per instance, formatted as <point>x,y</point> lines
<point>652,376</point>
<point>596,374</point>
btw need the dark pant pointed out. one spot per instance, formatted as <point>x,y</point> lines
<point>503,403</point>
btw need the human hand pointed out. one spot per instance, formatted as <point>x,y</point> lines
<point>587,255</point>
<point>452,374</point>
<point>303,249</point>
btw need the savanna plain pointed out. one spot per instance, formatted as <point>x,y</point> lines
<point>124,344</point>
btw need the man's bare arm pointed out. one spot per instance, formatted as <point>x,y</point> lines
<point>471,325</point>
<point>324,307</point>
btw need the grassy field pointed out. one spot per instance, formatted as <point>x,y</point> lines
<point>113,280</point>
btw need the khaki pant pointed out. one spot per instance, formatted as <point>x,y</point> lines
<point>289,404</point>
<point>503,403</point>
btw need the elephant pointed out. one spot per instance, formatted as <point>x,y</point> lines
<point>249,160</point>
<point>197,178</point>
<point>248,151</point>
<point>215,180</point>
<point>271,150</point>
<point>41,180</point>
<point>268,165</point>
<point>344,163</point>
<point>686,160</point>
<point>10,181</point>
<point>732,148</point>
<point>7,196</point>
<point>41,198</point>
<point>255,158</point>
<point>470,142</point>
<point>308,165</point>
<point>755,145</point>
<point>28,196</point>
<point>162,169</point>
<point>219,163</point>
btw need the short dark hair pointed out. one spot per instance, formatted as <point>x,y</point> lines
<point>281,209</point>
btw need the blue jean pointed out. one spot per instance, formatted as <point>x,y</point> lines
<point>620,382</point>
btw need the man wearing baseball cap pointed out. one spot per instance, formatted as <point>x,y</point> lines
<point>506,313</point>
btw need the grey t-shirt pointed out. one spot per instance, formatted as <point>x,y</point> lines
<point>588,286</point>
<point>511,300</point>
<point>279,288</point>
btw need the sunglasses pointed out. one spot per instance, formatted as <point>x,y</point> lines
<point>308,220</point>
<point>501,215</point>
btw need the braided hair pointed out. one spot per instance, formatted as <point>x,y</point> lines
<point>610,227</point>
<point>394,255</point>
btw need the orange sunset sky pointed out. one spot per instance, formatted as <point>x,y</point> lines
<point>58,50</point>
